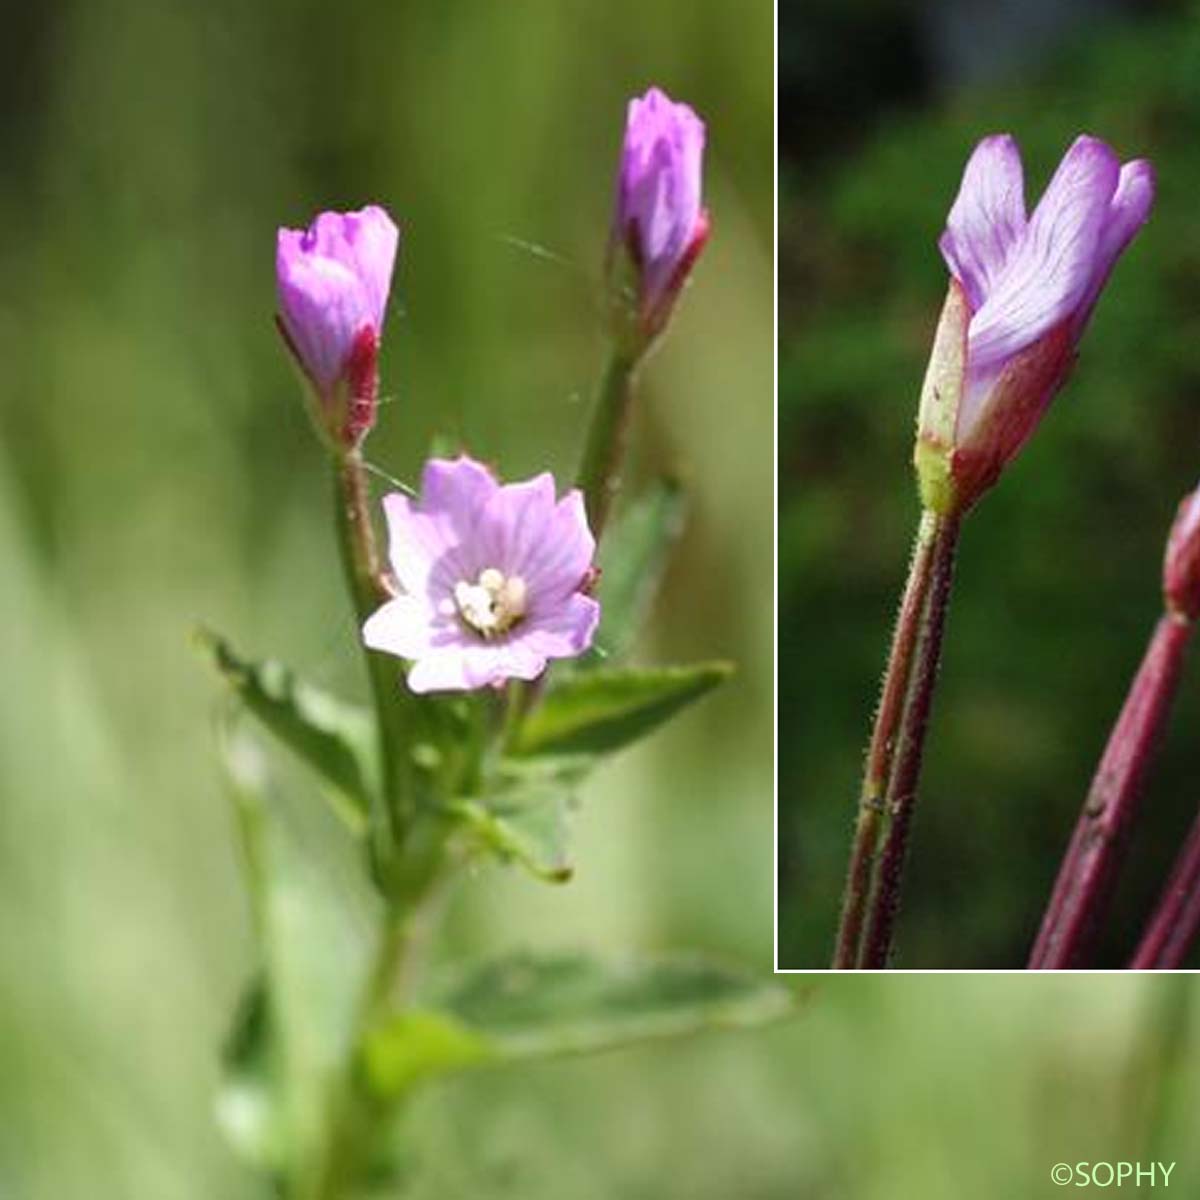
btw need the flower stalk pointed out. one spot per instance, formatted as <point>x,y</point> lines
<point>368,589</point>
<point>1176,921</point>
<point>1094,856</point>
<point>608,435</point>
<point>883,741</point>
<point>900,797</point>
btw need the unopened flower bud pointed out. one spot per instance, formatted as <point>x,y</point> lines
<point>1181,564</point>
<point>659,223</point>
<point>1021,293</point>
<point>333,281</point>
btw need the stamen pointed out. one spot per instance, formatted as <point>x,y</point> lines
<point>493,604</point>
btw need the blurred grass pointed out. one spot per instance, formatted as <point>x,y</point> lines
<point>1059,577</point>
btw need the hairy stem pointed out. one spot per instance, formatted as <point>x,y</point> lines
<point>1096,850</point>
<point>600,471</point>
<point>900,798</point>
<point>365,580</point>
<point>883,740</point>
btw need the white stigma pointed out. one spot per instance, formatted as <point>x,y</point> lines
<point>493,604</point>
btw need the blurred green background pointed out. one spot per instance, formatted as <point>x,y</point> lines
<point>1059,577</point>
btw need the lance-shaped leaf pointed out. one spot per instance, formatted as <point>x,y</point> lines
<point>544,1006</point>
<point>336,739</point>
<point>599,711</point>
<point>633,559</point>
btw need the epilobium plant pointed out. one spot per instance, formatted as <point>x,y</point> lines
<point>1021,292</point>
<point>492,646</point>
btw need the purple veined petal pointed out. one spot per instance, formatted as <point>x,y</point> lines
<point>371,238</point>
<point>1049,275</point>
<point>402,627</point>
<point>323,307</point>
<point>1128,211</point>
<point>516,520</point>
<point>567,631</point>
<point>557,566</point>
<point>455,491</point>
<point>987,218</point>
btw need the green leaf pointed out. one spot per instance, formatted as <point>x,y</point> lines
<point>298,1023</point>
<point>416,1045</point>
<point>527,1007</point>
<point>530,827</point>
<point>336,739</point>
<point>633,559</point>
<point>603,710</point>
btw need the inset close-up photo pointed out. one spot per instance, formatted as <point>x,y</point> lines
<point>989,455</point>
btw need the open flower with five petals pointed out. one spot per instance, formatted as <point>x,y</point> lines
<point>491,577</point>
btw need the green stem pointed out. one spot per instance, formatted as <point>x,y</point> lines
<point>365,580</point>
<point>883,741</point>
<point>608,435</point>
<point>351,1127</point>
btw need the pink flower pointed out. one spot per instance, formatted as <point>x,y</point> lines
<point>1026,288</point>
<point>659,218</point>
<point>1181,565</point>
<point>333,281</point>
<point>491,577</point>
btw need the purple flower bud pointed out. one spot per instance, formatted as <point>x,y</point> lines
<point>492,578</point>
<point>1025,289</point>
<point>1181,565</point>
<point>659,219</point>
<point>333,281</point>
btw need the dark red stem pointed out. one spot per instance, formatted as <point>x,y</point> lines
<point>1093,858</point>
<point>1176,921</point>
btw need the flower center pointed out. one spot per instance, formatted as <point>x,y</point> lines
<point>491,605</point>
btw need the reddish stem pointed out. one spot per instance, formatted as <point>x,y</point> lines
<point>883,740</point>
<point>901,797</point>
<point>1093,858</point>
<point>1176,921</point>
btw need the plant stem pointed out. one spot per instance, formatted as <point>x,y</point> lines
<point>364,577</point>
<point>599,472</point>
<point>350,1125</point>
<point>1094,855</point>
<point>901,795</point>
<point>1176,921</point>
<point>879,753</point>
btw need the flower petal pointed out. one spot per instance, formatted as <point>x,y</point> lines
<point>659,184</point>
<point>1049,275</point>
<point>556,563</point>
<point>323,307</point>
<point>1127,213</point>
<point>566,631</point>
<point>987,218</point>
<point>402,627</point>
<point>513,523</point>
